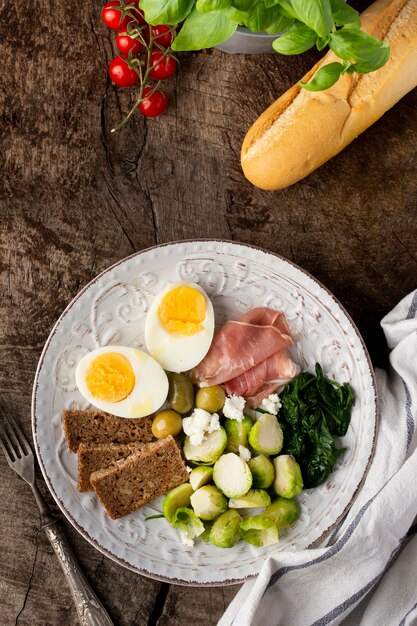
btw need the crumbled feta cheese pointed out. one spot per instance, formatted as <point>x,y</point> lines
<point>233,408</point>
<point>186,539</point>
<point>244,453</point>
<point>271,404</point>
<point>198,424</point>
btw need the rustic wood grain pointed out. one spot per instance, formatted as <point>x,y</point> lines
<point>75,198</point>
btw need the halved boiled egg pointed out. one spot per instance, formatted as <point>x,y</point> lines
<point>179,326</point>
<point>123,381</point>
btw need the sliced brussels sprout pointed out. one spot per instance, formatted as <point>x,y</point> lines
<point>266,435</point>
<point>283,512</point>
<point>225,530</point>
<point>237,433</point>
<point>200,476</point>
<point>187,522</point>
<point>288,481</point>
<point>210,398</point>
<point>208,502</point>
<point>205,536</point>
<point>209,450</point>
<point>175,499</point>
<point>259,531</point>
<point>232,475</point>
<point>262,471</point>
<point>253,499</point>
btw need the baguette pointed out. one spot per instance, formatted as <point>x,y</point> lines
<point>302,129</point>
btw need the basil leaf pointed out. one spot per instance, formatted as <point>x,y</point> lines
<point>326,76</point>
<point>316,14</point>
<point>280,24</point>
<point>205,6</point>
<point>286,9</point>
<point>368,52</point>
<point>166,11</point>
<point>242,5</point>
<point>322,43</point>
<point>258,18</point>
<point>296,40</point>
<point>270,3</point>
<point>344,14</point>
<point>203,30</point>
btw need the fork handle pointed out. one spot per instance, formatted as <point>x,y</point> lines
<point>89,608</point>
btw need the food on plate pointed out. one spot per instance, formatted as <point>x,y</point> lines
<point>283,511</point>
<point>262,471</point>
<point>96,427</point>
<point>179,326</point>
<point>200,475</point>
<point>94,457</point>
<point>266,435</point>
<point>288,481</point>
<point>210,399</point>
<point>232,475</point>
<point>259,382</point>
<point>180,393</point>
<point>143,476</point>
<point>225,531</point>
<point>166,423</point>
<point>259,530</point>
<point>208,502</point>
<point>240,345</point>
<point>314,410</point>
<point>303,129</point>
<point>123,381</point>
<point>177,498</point>
<point>189,525</point>
<point>209,450</point>
<point>253,499</point>
<point>237,433</point>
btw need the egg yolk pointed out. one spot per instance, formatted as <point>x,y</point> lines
<point>110,377</point>
<point>182,310</point>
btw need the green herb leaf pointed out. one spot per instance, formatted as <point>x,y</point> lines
<point>368,52</point>
<point>257,19</point>
<point>205,6</point>
<point>326,76</point>
<point>314,410</point>
<point>344,14</point>
<point>278,22</point>
<point>166,11</point>
<point>153,517</point>
<point>316,14</point>
<point>203,30</point>
<point>296,40</point>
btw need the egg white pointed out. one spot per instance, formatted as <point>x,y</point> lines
<point>150,389</point>
<point>175,352</point>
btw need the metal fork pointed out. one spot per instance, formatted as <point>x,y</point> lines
<point>20,458</point>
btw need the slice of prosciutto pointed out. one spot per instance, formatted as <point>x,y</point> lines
<point>241,345</point>
<point>265,378</point>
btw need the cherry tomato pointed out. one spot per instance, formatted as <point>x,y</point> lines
<point>163,66</point>
<point>153,105</point>
<point>111,15</point>
<point>125,43</point>
<point>121,74</point>
<point>161,34</point>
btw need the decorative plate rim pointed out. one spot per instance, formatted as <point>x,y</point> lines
<point>61,505</point>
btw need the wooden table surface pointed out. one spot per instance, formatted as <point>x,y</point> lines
<point>75,199</point>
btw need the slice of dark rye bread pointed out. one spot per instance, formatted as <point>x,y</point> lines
<point>92,457</point>
<point>143,476</point>
<point>95,427</point>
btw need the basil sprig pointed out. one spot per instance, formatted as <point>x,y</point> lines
<point>302,24</point>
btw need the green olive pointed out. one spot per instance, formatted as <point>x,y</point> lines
<point>211,399</point>
<point>166,423</point>
<point>181,392</point>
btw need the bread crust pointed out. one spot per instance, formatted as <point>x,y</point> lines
<point>302,130</point>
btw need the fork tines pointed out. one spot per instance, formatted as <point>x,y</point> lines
<point>12,440</point>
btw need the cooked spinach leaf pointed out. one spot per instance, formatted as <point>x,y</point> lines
<point>314,410</point>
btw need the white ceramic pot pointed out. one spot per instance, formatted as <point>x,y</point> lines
<point>244,41</point>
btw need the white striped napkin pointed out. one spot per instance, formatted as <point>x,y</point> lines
<point>368,575</point>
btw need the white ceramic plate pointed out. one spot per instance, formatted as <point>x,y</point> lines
<point>112,310</point>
